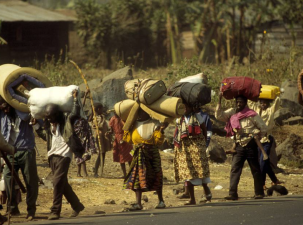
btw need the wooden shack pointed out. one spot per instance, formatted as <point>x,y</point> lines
<point>32,33</point>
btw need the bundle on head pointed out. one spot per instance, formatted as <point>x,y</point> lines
<point>245,86</point>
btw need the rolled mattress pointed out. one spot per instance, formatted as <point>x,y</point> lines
<point>166,105</point>
<point>15,81</point>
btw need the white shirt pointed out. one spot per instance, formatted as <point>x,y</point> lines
<point>59,146</point>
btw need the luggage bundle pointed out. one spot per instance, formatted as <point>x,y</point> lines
<point>146,91</point>
<point>245,86</point>
<point>193,94</point>
<point>198,78</point>
<point>15,82</point>
<point>40,97</point>
<point>148,94</point>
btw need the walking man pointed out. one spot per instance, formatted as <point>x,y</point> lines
<point>244,125</point>
<point>61,145</point>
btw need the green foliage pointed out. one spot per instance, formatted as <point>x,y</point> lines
<point>60,71</point>
<point>116,27</point>
<point>291,11</point>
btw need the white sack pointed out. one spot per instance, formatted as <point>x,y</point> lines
<point>198,78</point>
<point>40,97</point>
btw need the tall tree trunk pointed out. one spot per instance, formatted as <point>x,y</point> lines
<point>233,46</point>
<point>170,38</point>
<point>240,31</point>
<point>228,44</point>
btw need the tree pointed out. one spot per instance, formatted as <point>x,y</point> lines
<point>291,13</point>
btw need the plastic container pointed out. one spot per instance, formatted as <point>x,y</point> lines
<point>269,92</point>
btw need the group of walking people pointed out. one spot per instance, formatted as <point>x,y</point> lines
<point>191,139</point>
<point>139,147</point>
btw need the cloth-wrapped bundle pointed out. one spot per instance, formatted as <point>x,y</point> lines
<point>16,81</point>
<point>198,78</point>
<point>40,97</point>
<point>245,86</point>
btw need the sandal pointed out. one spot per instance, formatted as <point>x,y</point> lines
<point>209,197</point>
<point>135,207</point>
<point>161,205</point>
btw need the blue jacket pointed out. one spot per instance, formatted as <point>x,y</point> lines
<point>25,139</point>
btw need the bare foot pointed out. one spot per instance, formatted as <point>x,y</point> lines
<point>79,175</point>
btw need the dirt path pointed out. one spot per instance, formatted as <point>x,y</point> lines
<point>94,192</point>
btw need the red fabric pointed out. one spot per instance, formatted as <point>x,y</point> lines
<point>121,152</point>
<point>234,121</point>
<point>246,86</point>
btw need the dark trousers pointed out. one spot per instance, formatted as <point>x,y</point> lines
<point>249,153</point>
<point>26,162</point>
<point>60,166</point>
<point>265,164</point>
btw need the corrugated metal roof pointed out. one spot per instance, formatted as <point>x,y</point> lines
<point>15,11</point>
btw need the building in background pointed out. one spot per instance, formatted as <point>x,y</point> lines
<point>32,33</point>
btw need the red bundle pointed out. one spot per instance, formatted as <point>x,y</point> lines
<point>245,86</point>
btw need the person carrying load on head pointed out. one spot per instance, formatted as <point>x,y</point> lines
<point>192,136</point>
<point>19,132</point>
<point>121,149</point>
<point>244,125</point>
<point>145,172</point>
<point>191,162</point>
<point>66,135</point>
<point>266,111</point>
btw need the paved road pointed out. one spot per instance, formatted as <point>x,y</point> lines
<point>269,211</point>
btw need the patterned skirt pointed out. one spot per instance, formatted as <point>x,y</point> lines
<point>145,172</point>
<point>191,161</point>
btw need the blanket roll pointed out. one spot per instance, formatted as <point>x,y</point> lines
<point>16,81</point>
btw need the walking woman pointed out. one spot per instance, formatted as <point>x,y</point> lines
<point>145,173</point>
<point>191,163</point>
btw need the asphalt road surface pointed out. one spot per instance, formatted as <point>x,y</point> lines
<point>268,211</point>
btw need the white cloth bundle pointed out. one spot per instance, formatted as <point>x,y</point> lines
<point>193,79</point>
<point>61,96</point>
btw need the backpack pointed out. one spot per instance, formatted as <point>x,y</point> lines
<point>147,91</point>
